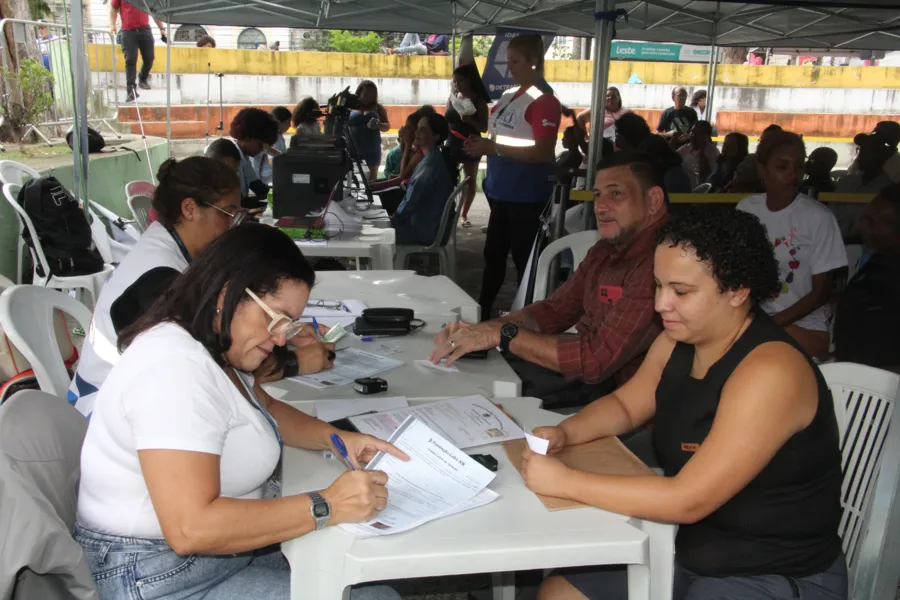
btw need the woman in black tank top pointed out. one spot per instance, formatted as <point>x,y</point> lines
<point>743,425</point>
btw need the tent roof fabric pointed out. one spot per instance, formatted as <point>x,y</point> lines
<point>838,24</point>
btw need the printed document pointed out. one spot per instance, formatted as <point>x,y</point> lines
<point>332,410</point>
<point>467,422</point>
<point>349,364</point>
<point>437,480</point>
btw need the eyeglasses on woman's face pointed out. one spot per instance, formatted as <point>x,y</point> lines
<point>280,324</point>
<point>237,214</point>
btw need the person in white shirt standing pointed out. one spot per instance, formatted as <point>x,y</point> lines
<point>806,238</point>
<point>179,497</point>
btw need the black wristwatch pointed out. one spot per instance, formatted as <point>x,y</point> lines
<point>507,332</point>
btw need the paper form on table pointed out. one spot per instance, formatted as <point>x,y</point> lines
<point>349,364</point>
<point>441,366</point>
<point>467,422</point>
<point>437,480</point>
<point>332,410</point>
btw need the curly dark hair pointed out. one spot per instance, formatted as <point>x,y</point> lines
<point>254,124</point>
<point>733,243</point>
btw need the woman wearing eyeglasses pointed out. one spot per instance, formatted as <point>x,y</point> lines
<point>179,482</point>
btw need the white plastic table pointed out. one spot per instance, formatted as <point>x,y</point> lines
<point>398,289</point>
<point>490,377</point>
<point>515,532</point>
<point>376,244</point>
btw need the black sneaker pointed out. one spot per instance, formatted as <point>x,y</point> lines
<point>130,97</point>
<point>144,85</point>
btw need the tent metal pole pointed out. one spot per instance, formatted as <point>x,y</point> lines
<point>712,70</point>
<point>453,59</point>
<point>169,87</point>
<point>80,124</point>
<point>602,51</point>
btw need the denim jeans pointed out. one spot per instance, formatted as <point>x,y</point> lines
<point>148,569</point>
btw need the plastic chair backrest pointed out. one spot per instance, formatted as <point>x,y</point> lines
<point>838,173</point>
<point>11,192</point>
<point>854,253</point>
<point>450,215</point>
<point>12,172</point>
<point>101,238</point>
<point>27,315</point>
<point>140,209</point>
<point>703,188</point>
<point>579,243</point>
<point>139,188</point>
<point>864,403</point>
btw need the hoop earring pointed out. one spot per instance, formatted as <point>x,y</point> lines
<point>534,67</point>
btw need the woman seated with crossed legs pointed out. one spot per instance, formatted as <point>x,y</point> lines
<point>743,425</point>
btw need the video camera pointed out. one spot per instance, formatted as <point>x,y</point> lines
<point>337,110</point>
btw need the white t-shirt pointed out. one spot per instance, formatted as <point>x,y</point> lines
<point>166,392</point>
<point>807,242</point>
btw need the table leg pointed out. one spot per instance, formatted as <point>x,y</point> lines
<point>638,582</point>
<point>661,538</point>
<point>504,585</point>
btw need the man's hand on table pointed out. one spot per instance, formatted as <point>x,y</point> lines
<point>458,339</point>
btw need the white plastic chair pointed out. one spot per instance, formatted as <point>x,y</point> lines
<point>27,314</point>
<point>12,172</point>
<point>91,283</point>
<point>869,425</point>
<point>446,251</point>
<point>854,253</point>
<point>703,188</point>
<point>123,230</point>
<point>110,250</point>
<point>139,195</point>
<point>579,243</point>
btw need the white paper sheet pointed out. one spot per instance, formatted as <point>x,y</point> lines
<point>349,364</point>
<point>441,366</point>
<point>311,242</point>
<point>437,479</point>
<point>536,444</point>
<point>467,422</point>
<point>275,392</point>
<point>332,410</point>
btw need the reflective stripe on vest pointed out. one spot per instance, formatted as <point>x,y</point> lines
<point>508,122</point>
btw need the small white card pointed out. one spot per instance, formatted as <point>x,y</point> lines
<point>536,444</point>
<point>441,366</point>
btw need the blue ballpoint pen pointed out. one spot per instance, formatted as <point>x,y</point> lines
<point>316,329</point>
<point>342,450</point>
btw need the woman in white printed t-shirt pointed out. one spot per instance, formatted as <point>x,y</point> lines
<point>806,238</point>
<point>179,487</point>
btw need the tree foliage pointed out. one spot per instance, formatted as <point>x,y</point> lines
<point>33,99</point>
<point>351,41</point>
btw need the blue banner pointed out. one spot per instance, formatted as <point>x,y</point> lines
<point>496,74</point>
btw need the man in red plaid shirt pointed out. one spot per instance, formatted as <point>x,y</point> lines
<point>609,300</point>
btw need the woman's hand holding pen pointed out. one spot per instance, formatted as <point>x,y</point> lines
<point>356,496</point>
<point>307,335</point>
<point>363,448</point>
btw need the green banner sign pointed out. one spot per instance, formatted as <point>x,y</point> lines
<point>659,52</point>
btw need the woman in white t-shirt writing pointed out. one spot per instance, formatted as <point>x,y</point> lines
<point>178,492</point>
<point>806,238</point>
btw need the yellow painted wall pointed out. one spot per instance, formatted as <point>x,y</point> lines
<point>334,64</point>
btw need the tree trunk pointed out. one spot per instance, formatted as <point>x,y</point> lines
<point>731,55</point>
<point>19,43</point>
<point>576,48</point>
<point>586,49</point>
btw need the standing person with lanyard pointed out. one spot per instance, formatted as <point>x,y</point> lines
<point>523,128</point>
<point>180,497</point>
<point>136,36</point>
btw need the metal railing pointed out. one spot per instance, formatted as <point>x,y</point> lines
<point>53,50</point>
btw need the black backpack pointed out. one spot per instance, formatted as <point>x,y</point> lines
<point>61,227</point>
<point>96,143</point>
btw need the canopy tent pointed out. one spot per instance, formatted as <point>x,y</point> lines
<point>863,25</point>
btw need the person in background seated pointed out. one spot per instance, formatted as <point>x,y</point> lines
<point>609,299</point>
<point>735,149</point>
<point>391,191</point>
<point>747,177</point>
<point>569,163</point>
<point>418,217</point>
<point>196,201</point>
<point>206,41</point>
<point>818,170</point>
<point>263,161</point>
<point>305,119</point>
<point>365,126</point>
<point>631,131</point>
<point>180,487</point>
<point>225,151</point>
<point>253,131</point>
<point>614,111</point>
<point>867,319</point>
<point>394,156</point>
<point>889,131</point>
<point>806,238</point>
<point>743,426</point>
<point>698,104</point>
<point>670,164</point>
<point>700,155</point>
<point>434,44</point>
<point>870,178</point>
<point>677,120</point>
<point>467,114</point>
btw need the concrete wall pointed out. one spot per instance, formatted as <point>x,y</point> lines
<point>108,175</point>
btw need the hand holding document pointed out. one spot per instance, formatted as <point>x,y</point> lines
<point>349,364</point>
<point>536,444</point>
<point>466,422</point>
<point>438,480</point>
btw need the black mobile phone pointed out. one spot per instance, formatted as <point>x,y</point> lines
<point>487,461</point>
<point>476,354</point>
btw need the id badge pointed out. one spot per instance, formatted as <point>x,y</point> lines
<point>272,488</point>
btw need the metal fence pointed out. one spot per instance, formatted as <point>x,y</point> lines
<point>50,42</point>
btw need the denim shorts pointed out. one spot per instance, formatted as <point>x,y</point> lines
<point>148,569</point>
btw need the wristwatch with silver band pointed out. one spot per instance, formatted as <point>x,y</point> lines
<point>320,510</point>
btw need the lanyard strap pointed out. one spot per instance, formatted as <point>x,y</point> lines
<point>180,243</point>
<point>258,405</point>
